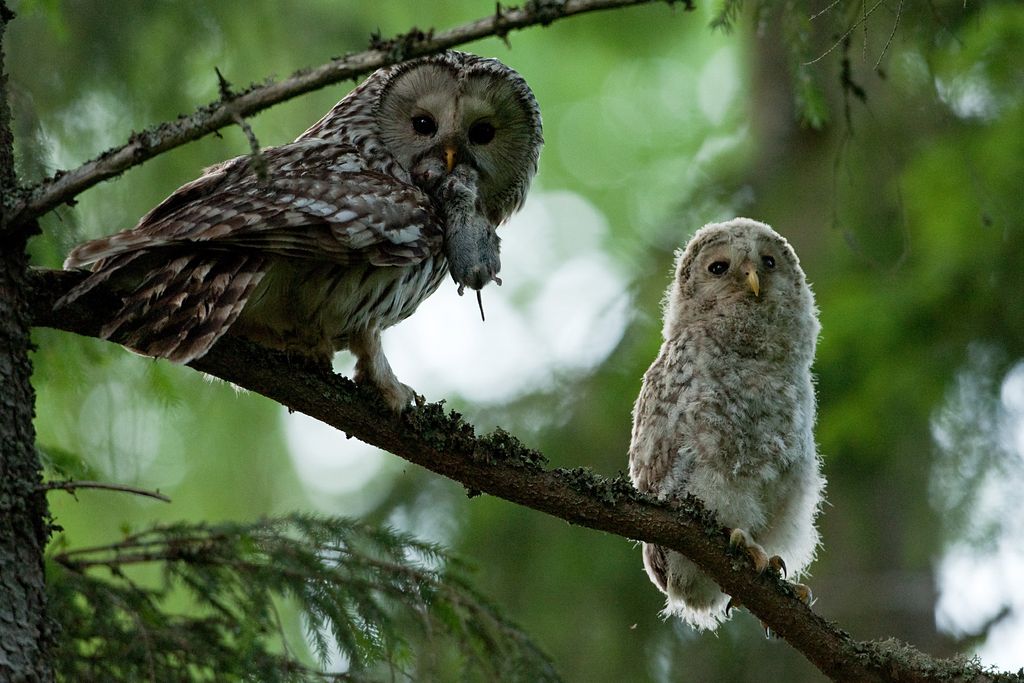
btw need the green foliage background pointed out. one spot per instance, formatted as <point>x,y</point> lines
<point>905,206</point>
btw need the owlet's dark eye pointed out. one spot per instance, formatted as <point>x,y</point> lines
<point>768,261</point>
<point>718,267</point>
<point>481,132</point>
<point>424,125</point>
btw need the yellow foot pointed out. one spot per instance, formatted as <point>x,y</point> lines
<point>741,539</point>
<point>803,593</point>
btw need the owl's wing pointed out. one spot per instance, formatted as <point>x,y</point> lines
<point>318,201</point>
<point>194,260</point>
<point>655,444</point>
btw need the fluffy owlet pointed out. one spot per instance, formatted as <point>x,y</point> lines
<point>322,243</point>
<point>726,411</point>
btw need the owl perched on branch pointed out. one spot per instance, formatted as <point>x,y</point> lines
<point>726,411</point>
<point>348,230</point>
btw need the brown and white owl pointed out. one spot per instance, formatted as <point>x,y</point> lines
<point>726,411</point>
<point>349,228</point>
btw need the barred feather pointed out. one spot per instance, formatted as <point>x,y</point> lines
<point>179,311</point>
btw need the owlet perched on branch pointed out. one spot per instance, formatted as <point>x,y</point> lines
<point>322,243</point>
<point>726,411</point>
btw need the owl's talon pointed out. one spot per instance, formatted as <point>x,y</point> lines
<point>778,565</point>
<point>399,397</point>
<point>731,605</point>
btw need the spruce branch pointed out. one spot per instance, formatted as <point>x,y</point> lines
<point>498,464</point>
<point>372,592</point>
<point>62,187</point>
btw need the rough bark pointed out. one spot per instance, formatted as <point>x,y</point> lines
<point>25,630</point>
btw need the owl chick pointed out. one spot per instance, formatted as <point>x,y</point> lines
<point>320,244</point>
<point>726,411</point>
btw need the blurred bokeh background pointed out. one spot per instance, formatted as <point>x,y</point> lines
<point>893,164</point>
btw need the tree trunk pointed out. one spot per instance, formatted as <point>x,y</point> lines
<point>25,629</point>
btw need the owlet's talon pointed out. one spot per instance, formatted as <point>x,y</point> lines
<point>739,538</point>
<point>803,593</point>
<point>777,564</point>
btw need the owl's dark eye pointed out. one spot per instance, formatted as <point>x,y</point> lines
<point>718,267</point>
<point>481,132</point>
<point>424,125</point>
<point>768,261</point>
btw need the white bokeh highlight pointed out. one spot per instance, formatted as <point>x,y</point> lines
<point>980,578</point>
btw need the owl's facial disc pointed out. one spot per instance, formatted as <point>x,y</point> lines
<point>746,269</point>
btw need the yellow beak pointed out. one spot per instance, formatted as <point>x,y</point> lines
<point>449,157</point>
<point>753,282</point>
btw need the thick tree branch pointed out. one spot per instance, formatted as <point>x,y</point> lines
<point>64,186</point>
<point>500,465</point>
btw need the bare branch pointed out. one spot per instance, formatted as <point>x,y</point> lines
<point>498,464</point>
<point>64,186</point>
<point>71,486</point>
<point>895,26</point>
<point>227,96</point>
<point>850,29</point>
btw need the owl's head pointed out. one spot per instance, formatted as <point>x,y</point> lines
<point>742,275</point>
<point>454,109</point>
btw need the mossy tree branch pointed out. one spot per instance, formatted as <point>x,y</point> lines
<point>64,186</point>
<point>498,464</point>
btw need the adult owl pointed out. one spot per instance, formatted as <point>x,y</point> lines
<point>320,244</point>
<point>726,411</point>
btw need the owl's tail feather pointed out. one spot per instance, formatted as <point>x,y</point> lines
<point>102,273</point>
<point>689,594</point>
<point>181,308</point>
<point>656,564</point>
<point>123,244</point>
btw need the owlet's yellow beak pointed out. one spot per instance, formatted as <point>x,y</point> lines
<point>449,157</point>
<point>753,282</point>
